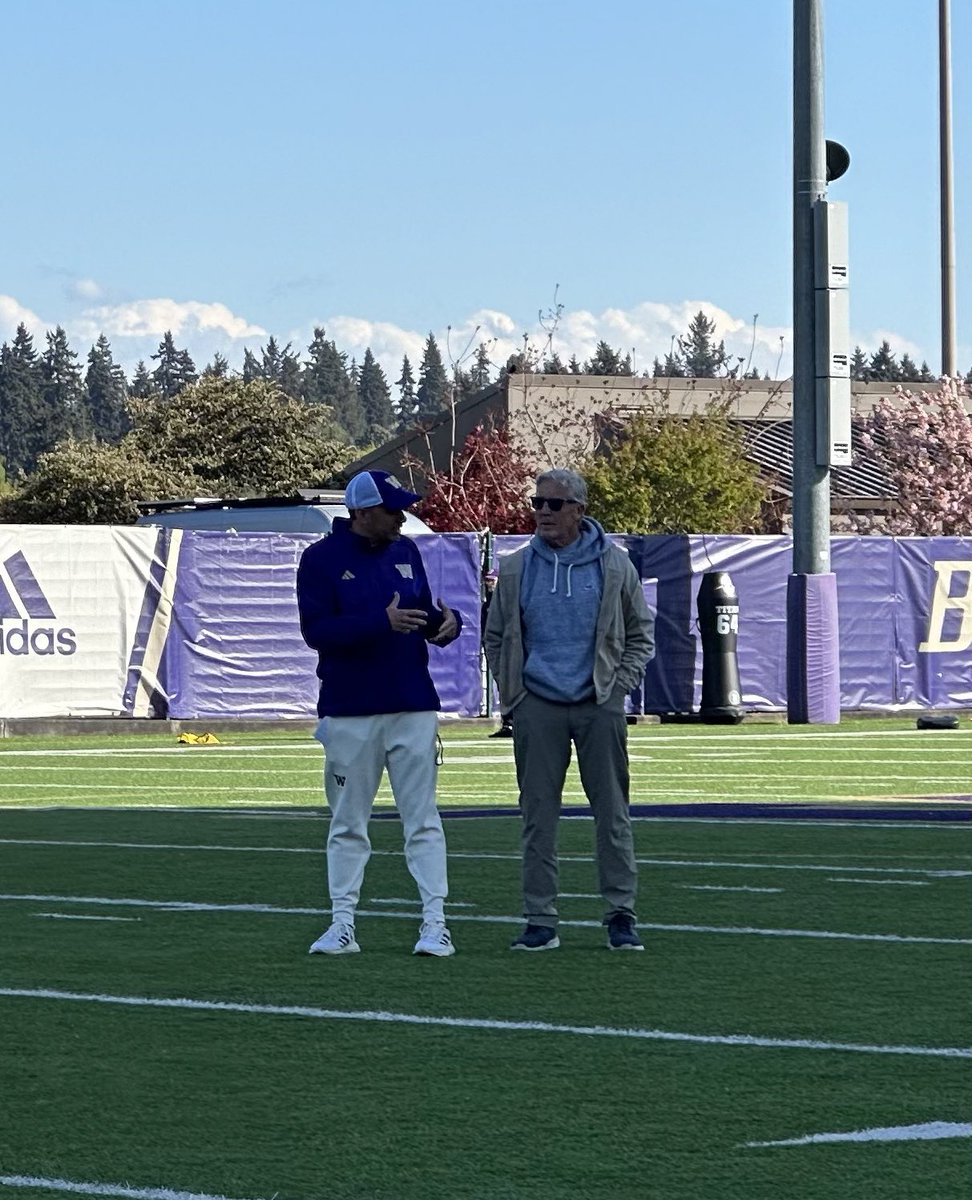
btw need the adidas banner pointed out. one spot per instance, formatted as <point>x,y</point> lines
<point>84,614</point>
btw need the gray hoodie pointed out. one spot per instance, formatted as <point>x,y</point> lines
<point>560,596</point>
<point>623,634</point>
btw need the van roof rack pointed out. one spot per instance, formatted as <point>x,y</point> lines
<point>302,496</point>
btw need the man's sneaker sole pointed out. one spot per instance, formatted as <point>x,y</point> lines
<point>553,944</point>
<point>354,948</point>
<point>437,952</point>
<point>627,947</point>
<point>343,945</point>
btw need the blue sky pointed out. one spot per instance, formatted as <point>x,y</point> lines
<point>231,170</point>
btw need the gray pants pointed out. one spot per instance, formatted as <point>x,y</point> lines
<point>542,737</point>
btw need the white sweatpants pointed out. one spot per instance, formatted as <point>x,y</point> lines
<point>357,750</point>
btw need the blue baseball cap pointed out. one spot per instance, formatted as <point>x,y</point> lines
<point>368,489</point>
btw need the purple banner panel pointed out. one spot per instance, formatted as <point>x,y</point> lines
<point>868,604</point>
<point>453,563</point>
<point>758,567</point>
<point>934,622</point>
<point>236,649</point>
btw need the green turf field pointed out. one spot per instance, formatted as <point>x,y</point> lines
<point>863,760</point>
<point>164,1034</point>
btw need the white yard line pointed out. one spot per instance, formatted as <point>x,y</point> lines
<point>712,887</point>
<point>78,917</point>
<point>40,1183</point>
<point>546,1027</point>
<point>929,1131</point>
<point>660,927</point>
<point>884,882</point>
<point>720,864</point>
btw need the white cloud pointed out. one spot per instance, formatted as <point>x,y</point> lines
<point>647,331</point>
<point>13,314</point>
<point>151,318</point>
<point>86,289</point>
<point>899,345</point>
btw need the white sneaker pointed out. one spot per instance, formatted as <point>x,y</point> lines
<point>339,939</point>
<point>434,939</point>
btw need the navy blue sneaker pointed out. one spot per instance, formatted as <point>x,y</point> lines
<point>621,933</point>
<point>537,937</point>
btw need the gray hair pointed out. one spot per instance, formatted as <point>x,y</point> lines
<point>572,483</point>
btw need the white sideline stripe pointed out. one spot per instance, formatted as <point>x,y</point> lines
<point>933,872</point>
<point>101,1189</point>
<point>393,1018</point>
<point>658,927</point>
<point>883,882</point>
<point>714,887</point>
<point>927,1132</point>
<point>78,917</point>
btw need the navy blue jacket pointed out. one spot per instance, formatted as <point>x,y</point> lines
<point>344,587</point>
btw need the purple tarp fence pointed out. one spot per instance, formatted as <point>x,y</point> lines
<point>235,649</point>
<point>905,614</point>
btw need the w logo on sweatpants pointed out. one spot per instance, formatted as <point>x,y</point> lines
<point>340,780</point>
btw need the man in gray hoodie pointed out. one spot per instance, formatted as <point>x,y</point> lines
<point>568,635</point>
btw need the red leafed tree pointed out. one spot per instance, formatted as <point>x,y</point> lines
<point>924,443</point>
<point>485,488</point>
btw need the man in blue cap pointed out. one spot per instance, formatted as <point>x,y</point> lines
<point>366,608</point>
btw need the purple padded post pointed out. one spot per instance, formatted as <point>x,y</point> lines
<point>812,650</point>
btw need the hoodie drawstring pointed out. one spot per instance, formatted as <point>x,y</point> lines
<point>570,567</point>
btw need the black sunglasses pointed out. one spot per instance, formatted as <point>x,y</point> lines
<point>554,503</point>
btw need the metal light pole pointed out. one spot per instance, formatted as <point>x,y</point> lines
<point>811,483</point>
<point>812,639</point>
<point>945,153</point>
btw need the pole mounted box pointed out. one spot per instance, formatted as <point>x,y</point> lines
<point>831,334</point>
<point>830,245</point>
<point>832,350</point>
<point>834,423</point>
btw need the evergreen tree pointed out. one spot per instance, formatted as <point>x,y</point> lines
<point>574,367</point>
<point>604,361</point>
<point>481,369</point>
<point>62,390</point>
<point>374,394</point>
<point>462,384</point>
<point>671,368</point>
<point>908,371</point>
<point>925,374</point>
<point>407,400</point>
<point>251,367</point>
<point>281,367</point>
<point>433,392</point>
<point>142,386</point>
<point>701,357</point>
<point>859,369</point>
<point>218,368</point>
<point>176,369</point>
<point>552,365</point>
<point>105,395</point>
<point>21,403</point>
<point>883,368</point>
<point>325,381</point>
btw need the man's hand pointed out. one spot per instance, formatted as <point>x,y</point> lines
<point>448,628</point>
<point>405,620</point>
